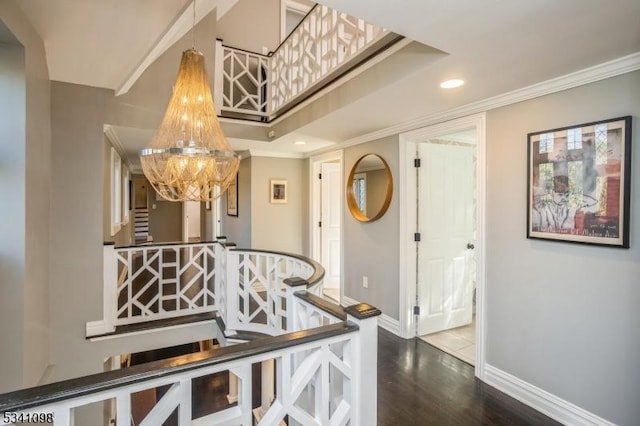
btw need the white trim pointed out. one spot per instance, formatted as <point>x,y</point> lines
<point>347,301</point>
<point>96,328</point>
<point>541,400</point>
<point>315,167</point>
<point>598,72</point>
<point>112,136</point>
<point>385,321</point>
<point>150,330</point>
<point>407,196</point>
<point>293,5</point>
<point>274,154</point>
<point>389,324</point>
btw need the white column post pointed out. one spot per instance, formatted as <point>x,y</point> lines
<point>292,286</point>
<point>232,396</point>
<point>110,288</point>
<point>218,75</point>
<point>268,384</point>
<point>364,351</point>
<point>232,281</point>
<point>220,264</point>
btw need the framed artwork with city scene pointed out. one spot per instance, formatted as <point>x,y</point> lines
<point>579,183</point>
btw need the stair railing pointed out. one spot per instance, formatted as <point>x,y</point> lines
<point>325,43</point>
<point>324,375</point>
<point>163,281</point>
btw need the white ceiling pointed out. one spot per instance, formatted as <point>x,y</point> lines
<point>496,46</point>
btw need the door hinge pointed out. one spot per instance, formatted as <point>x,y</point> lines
<point>320,224</point>
<point>319,175</point>
<point>416,237</point>
<point>416,310</point>
<point>416,162</point>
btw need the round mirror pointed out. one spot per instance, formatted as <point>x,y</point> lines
<point>369,188</point>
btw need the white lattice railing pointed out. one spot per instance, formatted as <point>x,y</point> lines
<point>244,81</point>
<point>165,281</point>
<point>244,287</point>
<point>260,294</point>
<point>323,376</point>
<point>323,43</point>
<point>320,368</point>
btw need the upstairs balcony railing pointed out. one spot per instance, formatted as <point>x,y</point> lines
<point>325,44</point>
<point>322,357</point>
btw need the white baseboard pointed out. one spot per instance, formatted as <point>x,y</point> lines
<point>541,400</point>
<point>385,321</point>
<point>347,301</point>
<point>390,324</point>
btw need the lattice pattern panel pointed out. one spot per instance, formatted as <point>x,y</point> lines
<point>165,282</point>
<point>324,40</point>
<point>314,386</point>
<point>309,316</point>
<point>261,293</point>
<point>244,82</point>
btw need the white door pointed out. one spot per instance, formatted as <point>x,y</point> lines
<point>330,218</point>
<point>447,223</point>
<point>191,220</point>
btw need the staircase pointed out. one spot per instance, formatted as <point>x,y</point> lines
<point>141,224</point>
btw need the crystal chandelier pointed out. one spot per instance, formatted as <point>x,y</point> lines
<point>189,159</point>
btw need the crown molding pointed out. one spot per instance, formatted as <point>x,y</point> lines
<point>599,72</point>
<point>115,141</point>
<point>272,154</point>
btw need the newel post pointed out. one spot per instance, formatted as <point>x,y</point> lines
<point>293,285</point>
<point>110,287</point>
<point>218,81</point>
<point>365,363</point>
<point>232,278</point>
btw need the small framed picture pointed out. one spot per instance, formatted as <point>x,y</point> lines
<point>232,198</point>
<point>279,191</point>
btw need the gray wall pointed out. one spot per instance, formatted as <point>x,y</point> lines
<point>165,218</point>
<point>280,227</point>
<point>25,163</point>
<point>372,248</point>
<point>562,317</point>
<point>250,15</point>
<point>238,229</point>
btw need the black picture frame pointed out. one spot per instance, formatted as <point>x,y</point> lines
<point>232,198</point>
<point>579,183</point>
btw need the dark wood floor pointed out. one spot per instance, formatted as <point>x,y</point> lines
<point>419,384</point>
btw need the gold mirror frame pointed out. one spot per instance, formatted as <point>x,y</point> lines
<point>351,199</point>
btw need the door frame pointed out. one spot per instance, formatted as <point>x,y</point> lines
<point>315,191</point>
<point>407,203</point>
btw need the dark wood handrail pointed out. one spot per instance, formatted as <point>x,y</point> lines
<point>318,269</point>
<point>55,392</point>
<point>323,304</point>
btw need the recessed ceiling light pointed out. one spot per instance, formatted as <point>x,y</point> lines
<point>450,84</point>
<point>299,143</point>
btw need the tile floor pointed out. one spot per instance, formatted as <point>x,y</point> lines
<point>459,342</point>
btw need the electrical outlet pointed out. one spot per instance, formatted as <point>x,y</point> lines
<point>365,281</point>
